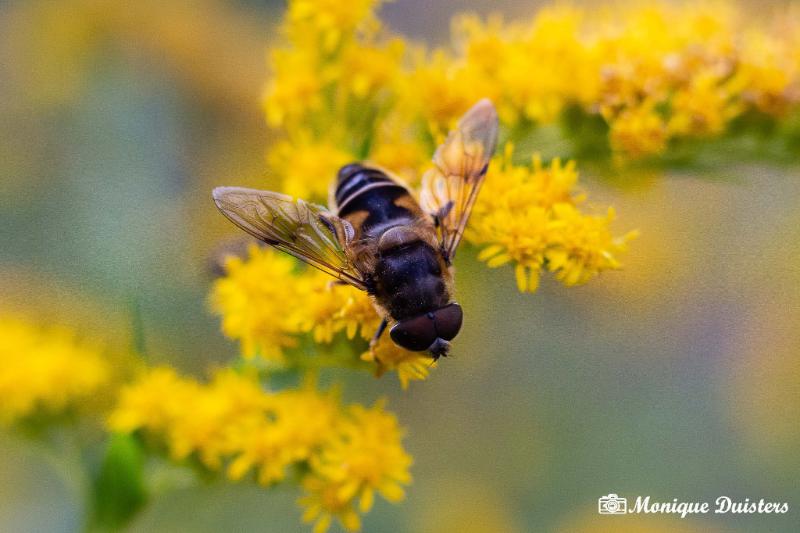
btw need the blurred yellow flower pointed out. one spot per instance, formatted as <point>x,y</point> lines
<point>294,89</point>
<point>306,166</point>
<point>638,131</point>
<point>325,23</point>
<point>366,70</point>
<point>152,402</point>
<point>439,91</point>
<point>529,216</point>
<point>399,150</point>
<point>289,430</point>
<point>769,65</point>
<point>46,371</point>
<point>232,417</point>
<point>235,425</point>
<point>363,455</point>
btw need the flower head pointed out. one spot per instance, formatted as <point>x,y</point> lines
<point>289,430</point>
<point>409,365</point>
<point>363,455</point>
<point>307,165</point>
<point>46,370</point>
<point>252,300</point>
<point>529,215</point>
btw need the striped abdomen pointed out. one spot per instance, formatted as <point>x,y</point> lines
<point>372,201</point>
<point>410,275</point>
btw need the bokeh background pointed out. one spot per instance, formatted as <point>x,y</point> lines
<point>677,377</point>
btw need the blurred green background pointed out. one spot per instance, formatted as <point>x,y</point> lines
<point>677,377</point>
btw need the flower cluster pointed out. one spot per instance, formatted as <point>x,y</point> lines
<point>46,371</point>
<point>363,455</point>
<point>329,88</point>
<point>237,427</point>
<point>652,74</point>
<point>656,73</point>
<point>267,304</point>
<point>529,215</point>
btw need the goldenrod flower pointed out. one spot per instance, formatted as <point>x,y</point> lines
<point>397,147</point>
<point>365,70</point>
<point>294,89</point>
<point>529,216</point>
<point>638,130</point>
<point>325,23</point>
<point>231,418</point>
<point>152,402</point>
<point>439,91</point>
<point>364,455</point>
<point>290,429</point>
<point>46,370</point>
<point>306,166</point>
<point>583,245</point>
<point>231,404</point>
<point>329,308</point>
<point>189,417</point>
<point>253,298</point>
<point>232,424</point>
<point>409,365</point>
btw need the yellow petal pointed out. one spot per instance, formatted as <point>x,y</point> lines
<point>522,278</point>
<point>498,260</point>
<point>367,499</point>
<point>490,251</point>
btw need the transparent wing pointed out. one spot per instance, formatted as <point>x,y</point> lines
<point>307,231</point>
<point>450,188</point>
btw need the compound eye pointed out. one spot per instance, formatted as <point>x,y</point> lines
<point>414,334</point>
<point>448,321</point>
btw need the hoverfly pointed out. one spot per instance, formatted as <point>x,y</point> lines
<point>378,238</point>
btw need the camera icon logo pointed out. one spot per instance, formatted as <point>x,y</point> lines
<point>612,504</point>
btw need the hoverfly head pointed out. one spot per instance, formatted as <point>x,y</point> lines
<point>430,332</point>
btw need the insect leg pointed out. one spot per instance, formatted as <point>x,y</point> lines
<point>378,333</point>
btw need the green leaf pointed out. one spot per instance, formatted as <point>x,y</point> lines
<point>119,490</point>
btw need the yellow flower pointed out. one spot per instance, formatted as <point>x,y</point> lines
<point>550,54</point>
<point>230,403</point>
<point>529,216</point>
<point>399,148</point>
<point>328,308</point>
<point>189,417</point>
<point>307,166</point>
<point>152,402</point>
<point>252,299</point>
<point>366,70</point>
<point>639,131</point>
<point>291,428</point>
<point>46,370</point>
<point>409,365</point>
<point>232,418</point>
<point>440,91</point>
<point>583,245</point>
<point>770,67</point>
<point>233,424</point>
<point>325,23</point>
<point>364,455</point>
<point>705,106</point>
<point>294,90</point>
<point>654,72</point>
